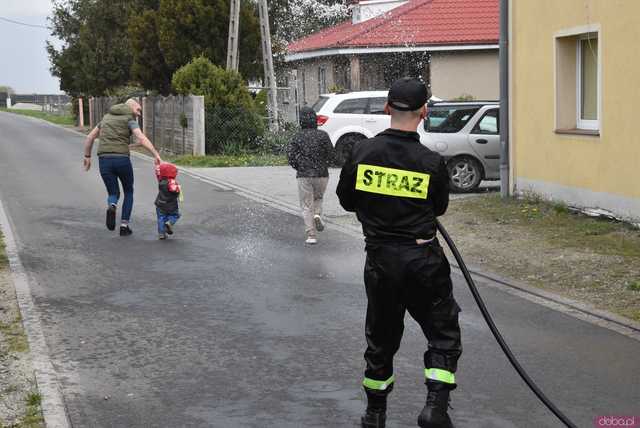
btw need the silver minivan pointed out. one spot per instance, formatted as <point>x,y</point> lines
<point>467,135</point>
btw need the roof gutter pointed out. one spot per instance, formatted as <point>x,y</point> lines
<point>301,56</point>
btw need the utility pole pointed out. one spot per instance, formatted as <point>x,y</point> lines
<point>234,27</point>
<point>269,72</point>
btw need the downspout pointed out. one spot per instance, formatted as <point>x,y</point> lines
<point>504,98</point>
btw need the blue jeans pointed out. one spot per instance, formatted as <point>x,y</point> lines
<point>171,218</point>
<point>113,168</point>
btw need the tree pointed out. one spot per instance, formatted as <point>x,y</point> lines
<point>7,89</point>
<point>169,36</point>
<point>96,54</point>
<point>149,65</point>
<point>294,19</point>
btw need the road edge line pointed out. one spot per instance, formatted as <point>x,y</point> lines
<point>54,410</point>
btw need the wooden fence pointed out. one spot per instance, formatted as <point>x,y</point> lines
<point>174,124</point>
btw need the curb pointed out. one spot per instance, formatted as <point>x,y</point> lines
<point>53,407</point>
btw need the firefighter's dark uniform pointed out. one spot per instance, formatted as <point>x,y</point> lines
<point>398,187</point>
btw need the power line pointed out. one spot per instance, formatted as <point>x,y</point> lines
<point>23,23</point>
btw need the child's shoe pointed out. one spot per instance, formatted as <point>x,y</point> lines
<point>125,230</point>
<point>311,240</point>
<point>162,236</point>
<point>169,228</point>
<point>111,217</point>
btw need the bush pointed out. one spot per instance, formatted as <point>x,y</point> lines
<point>262,102</point>
<point>276,143</point>
<point>220,87</point>
<point>232,130</point>
<point>233,123</point>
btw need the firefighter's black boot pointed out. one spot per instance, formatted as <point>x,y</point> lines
<point>376,414</point>
<point>373,418</point>
<point>434,414</point>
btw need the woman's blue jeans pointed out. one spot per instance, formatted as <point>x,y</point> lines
<point>112,169</point>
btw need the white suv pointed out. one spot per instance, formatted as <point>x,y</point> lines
<point>350,117</point>
<point>466,134</point>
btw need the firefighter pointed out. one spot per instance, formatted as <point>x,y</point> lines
<point>397,187</point>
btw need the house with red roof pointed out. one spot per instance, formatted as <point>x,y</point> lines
<point>453,44</point>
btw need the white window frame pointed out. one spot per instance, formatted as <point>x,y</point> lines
<point>304,87</point>
<point>576,32</point>
<point>322,80</point>
<point>592,125</point>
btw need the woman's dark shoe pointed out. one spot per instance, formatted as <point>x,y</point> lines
<point>125,231</point>
<point>111,217</point>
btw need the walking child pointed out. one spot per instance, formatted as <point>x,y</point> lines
<point>169,192</point>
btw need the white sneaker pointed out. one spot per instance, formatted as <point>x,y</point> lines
<point>311,241</point>
<point>319,223</point>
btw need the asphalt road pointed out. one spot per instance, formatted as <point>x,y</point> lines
<point>235,323</point>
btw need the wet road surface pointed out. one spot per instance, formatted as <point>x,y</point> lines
<point>235,323</point>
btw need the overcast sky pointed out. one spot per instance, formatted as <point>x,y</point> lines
<point>24,64</point>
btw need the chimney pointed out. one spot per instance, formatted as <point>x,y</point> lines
<point>365,10</point>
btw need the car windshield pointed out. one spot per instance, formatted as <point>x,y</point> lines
<point>449,119</point>
<point>319,104</point>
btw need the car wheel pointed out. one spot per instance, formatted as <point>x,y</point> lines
<point>465,174</point>
<point>344,147</point>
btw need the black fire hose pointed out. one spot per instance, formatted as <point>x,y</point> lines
<point>496,333</point>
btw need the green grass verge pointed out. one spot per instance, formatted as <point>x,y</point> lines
<point>4,261</point>
<point>15,336</point>
<point>12,331</point>
<point>561,227</point>
<point>217,161</point>
<point>584,258</point>
<point>67,120</point>
<point>33,415</point>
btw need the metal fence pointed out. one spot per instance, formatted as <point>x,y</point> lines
<point>54,104</point>
<point>60,109</point>
<point>238,130</point>
<point>232,130</point>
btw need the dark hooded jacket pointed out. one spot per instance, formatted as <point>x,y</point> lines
<point>310,151</point>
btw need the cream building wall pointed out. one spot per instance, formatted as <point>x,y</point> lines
<point>599,171</point>
<point>458,73</point>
